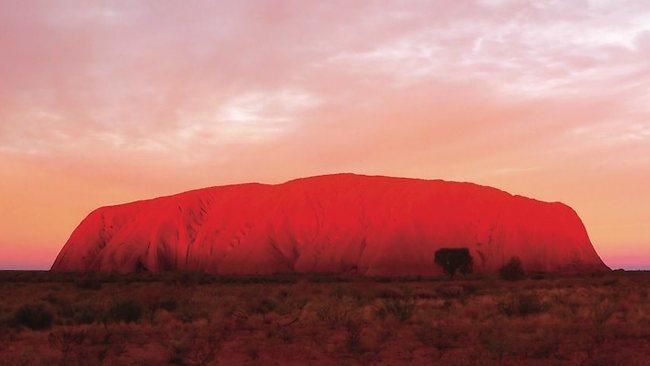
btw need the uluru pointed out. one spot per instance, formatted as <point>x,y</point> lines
<point>339,223</point>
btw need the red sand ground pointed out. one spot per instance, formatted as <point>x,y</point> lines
<point>196,319</point>
<point>343,223</point>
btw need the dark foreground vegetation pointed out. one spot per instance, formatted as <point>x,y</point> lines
<point>194,319</point>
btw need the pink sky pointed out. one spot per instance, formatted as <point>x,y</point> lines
<point>115,101</point>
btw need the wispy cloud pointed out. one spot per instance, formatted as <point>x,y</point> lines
<point>530,96</point>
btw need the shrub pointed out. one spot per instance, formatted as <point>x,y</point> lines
<point>603,311</point>
<point>470,289</point>
<point>191,311</point>
<point>523,305</point>
<point>253,353</point>
<point>126,310</point>
<point>388,293</point>
<point>283,333</point>
<point>450,292</point>
<point>195,345</point>
<point>538,275</point>
<point>169,304</point>
<point>337,292</point>
<point>530,304</point>
<point>401,309</point>
<point>543,344</point>
<point>513,270</point>
<point>263,306</point>
<point>53,299</point>
<point>353,336</point>
<point>34,316</point>
<point>425,295</point>
<point>336,313</point>
<point>166,302</point>
<point>454,259</point>
<point>435,335</point>
<point>496,340</point>
<point>85,314</point>
<point>63,309</point>
<point>88,282</point>
<point>68,341</point>
<point>289,304</point>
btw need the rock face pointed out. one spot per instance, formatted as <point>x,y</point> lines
<point>342,223</point>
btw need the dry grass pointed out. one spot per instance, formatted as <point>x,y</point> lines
<point>193,319</point>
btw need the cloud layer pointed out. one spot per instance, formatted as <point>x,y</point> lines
<point>109,102</point>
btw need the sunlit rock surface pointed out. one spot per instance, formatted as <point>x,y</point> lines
<point>342,223</point>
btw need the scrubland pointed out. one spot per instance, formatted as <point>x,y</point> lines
<point>194,319</point>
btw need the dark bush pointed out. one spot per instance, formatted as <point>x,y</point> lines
<point>190,311</point>
<point>189,278</point>
<point>401,309</point>
<point>389,293</point>
<point>513,270</point>
<point>454,259</point>
<point>168,304</point>
<point>450,291</point>
<point>86,314</point>
<point>470,289</point>
<point>496,340</point>
<point>522,305</point>
<point>425,294</point>
<point>327,278</point>
<point>435,335</point>
<point>382,279</point>
<point>353,336</point>
<point>165,302</point>
<point>88,282</point>
<point>253,353</point>
<point>263,306</point>
<point>68,341</point>
<point>530,304</point>
<point>34,316</point>
<point>336,313</point>
<point>538,275</point>
<point>53,299</point>
<point>337,292</point>
<point>126,310</point>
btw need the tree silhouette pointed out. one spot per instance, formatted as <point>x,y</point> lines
<point>454,259</point>
<point>513,270</point>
